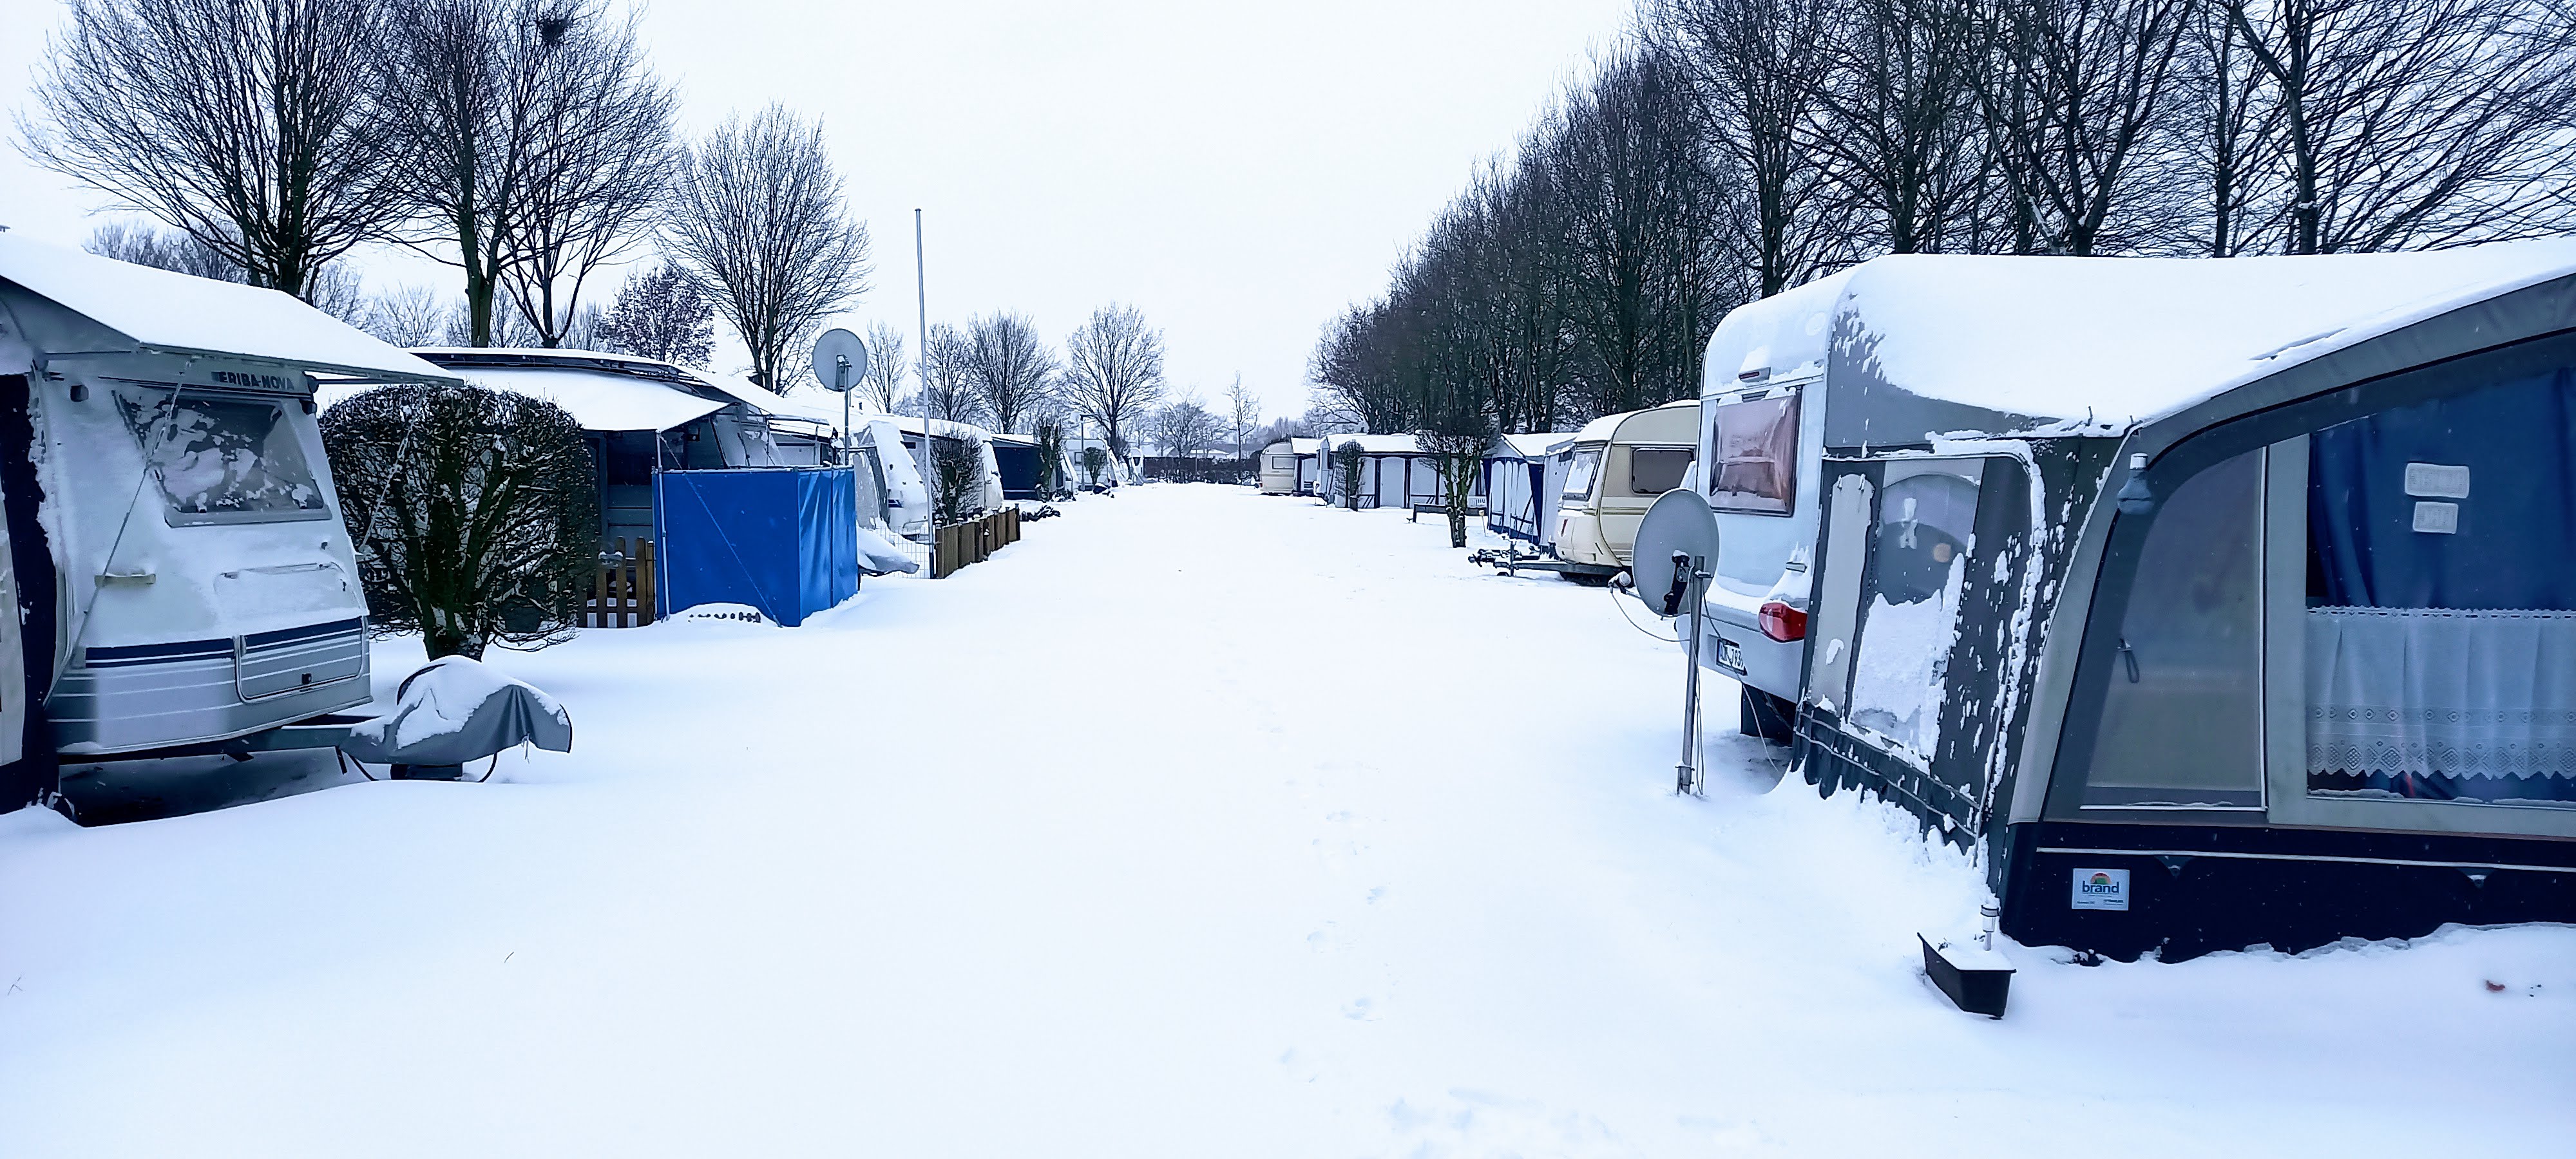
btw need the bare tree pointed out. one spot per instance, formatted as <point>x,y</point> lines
<point>1113,371</point>
<point>471,88</point>
<point>1635,208</point>
<point>1897,128</point>
<point>412,316</point>
<point>886,370</point>
<point>256,127</point>
<point>2227,120</point>
<point>602,134</point>
<point>336,290</point>
<point>1243,407</point>
<point>1185,427</point>
<point>759,218</point>
<point>2413,123</point>
<point>661,313</point>
<point>2077,102</point>
<point>508,329</point>
<point>949,388</point>
<point>1011,367</point>
<point>162,250</point>
<point>1753,65</point>
<point>1354,369</point>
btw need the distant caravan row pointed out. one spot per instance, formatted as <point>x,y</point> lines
<point>1572,498</point>
<point>2216,602</point>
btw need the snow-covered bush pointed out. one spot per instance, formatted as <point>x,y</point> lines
<point>474,513</point>
<point>957,477</point>
<point>1348,459</point>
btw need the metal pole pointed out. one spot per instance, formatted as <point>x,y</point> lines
<point>849,445</point>
<point>921,465</point>
<point>1686,775</point>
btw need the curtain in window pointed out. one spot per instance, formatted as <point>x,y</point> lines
<point>2442,704</point>
<point>2463,502</point>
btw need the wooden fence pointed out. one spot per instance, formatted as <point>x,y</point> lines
<point>621,592</point>
<point>973,541</point>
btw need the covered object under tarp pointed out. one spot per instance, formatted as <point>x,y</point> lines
<point>2220,602</point>
<point>780,540</point>
<point>1524,475</point>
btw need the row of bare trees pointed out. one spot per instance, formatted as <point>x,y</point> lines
<point>1735,148</point>
<point>998,371</point>
<point>526,143</point>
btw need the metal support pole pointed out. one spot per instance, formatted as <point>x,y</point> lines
<point>849,443</point>
<point>1686,776</point>
<point>921,299</point>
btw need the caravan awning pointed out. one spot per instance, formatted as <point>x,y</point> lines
<point>138,308</point>
<point>598,400</point>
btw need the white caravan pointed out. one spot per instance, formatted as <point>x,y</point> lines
<point>1764,371</point>
<point>174,542</point>
<point>1621,463</point>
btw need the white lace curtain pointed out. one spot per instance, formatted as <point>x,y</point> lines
<point>2433,692</point>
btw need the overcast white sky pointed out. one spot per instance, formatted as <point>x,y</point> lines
<point>1239,172</point>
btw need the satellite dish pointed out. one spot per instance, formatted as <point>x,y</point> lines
<point>1679,523</point>
<point>840,360</point>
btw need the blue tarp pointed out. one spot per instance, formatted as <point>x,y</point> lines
<point>780,540</point>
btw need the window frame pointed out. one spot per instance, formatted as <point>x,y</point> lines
<point>1795,396</point>
<point>1689,455</point>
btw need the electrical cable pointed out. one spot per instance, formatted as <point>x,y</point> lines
<point>1632,622</point>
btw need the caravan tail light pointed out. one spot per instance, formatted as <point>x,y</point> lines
<point>1782,622</point>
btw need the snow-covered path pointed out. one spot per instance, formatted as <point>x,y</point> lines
<point>1197,824</point>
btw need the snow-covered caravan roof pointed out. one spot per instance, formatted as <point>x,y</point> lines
<point>1784,336</point>
<point>1661,424</point>
<point>1304,446</point>
<point>103,306</point>
<point>1375,444</point>
<point>2052,345</point>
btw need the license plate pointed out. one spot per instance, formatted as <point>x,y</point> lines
<point>1729,656</point>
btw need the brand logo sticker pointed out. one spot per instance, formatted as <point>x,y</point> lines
<point>2106,889</point>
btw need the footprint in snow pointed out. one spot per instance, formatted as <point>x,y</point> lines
<point>1360,1010</point>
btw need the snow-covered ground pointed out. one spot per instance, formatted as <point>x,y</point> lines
<point>1199,823</point>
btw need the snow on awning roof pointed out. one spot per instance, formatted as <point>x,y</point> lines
<point>1538,446</point>
<point>2109,342</point>
<point>599,400</point>
<point>1380,444</point>
<point>141,308</point>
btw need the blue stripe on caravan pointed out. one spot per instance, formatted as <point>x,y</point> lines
<point>307,632</point>
<point>131,654</point>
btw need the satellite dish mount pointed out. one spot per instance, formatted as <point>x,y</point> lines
<point>840,362</point>
<point>1669,570</point>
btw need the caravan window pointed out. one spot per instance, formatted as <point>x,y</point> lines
<point>1586,468</point>
<point>223,459</point>
<point>1756,447</point>
<point>2440,627</point>
<point>1655,470</point>
<point>2182,712</point>
<point>1927,514</point>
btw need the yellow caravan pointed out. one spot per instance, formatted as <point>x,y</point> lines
<point>1621,463</point>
